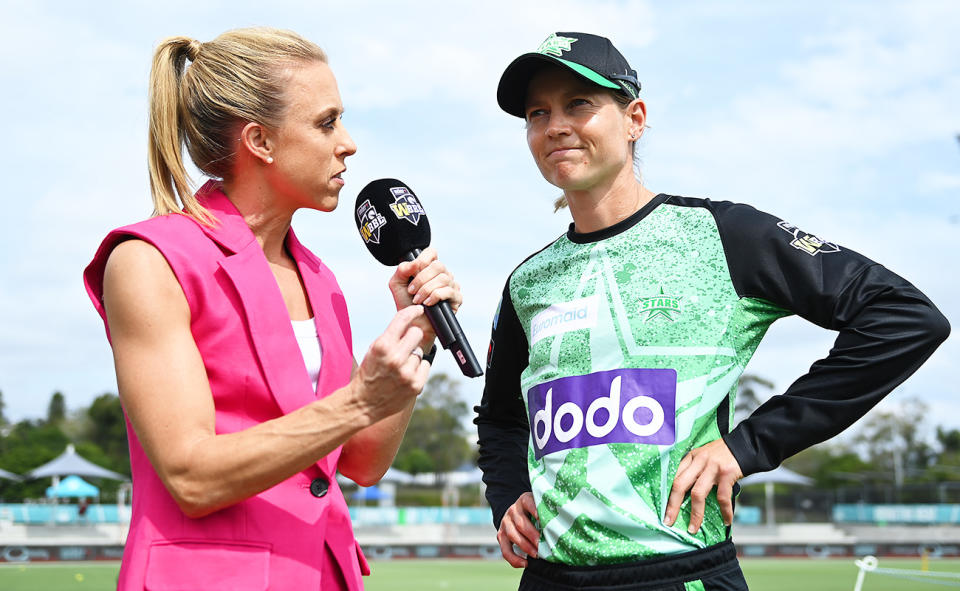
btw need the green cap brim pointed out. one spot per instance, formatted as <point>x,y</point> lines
<point>588,74</point>
<point>512,88</point>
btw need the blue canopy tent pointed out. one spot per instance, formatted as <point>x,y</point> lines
<point>778,475</point>
<point>72,486</point>
<point>70,462</point>
<point>9,475</point>
<point>371,493</point>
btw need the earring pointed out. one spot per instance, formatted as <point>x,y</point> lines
<point>269,159</point>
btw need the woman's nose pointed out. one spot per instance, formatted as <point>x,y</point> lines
<point>345,145</point>
<point>557,125</point>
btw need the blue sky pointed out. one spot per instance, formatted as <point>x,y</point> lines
<point>840,117</point>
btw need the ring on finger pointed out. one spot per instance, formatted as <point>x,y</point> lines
<point>418,353</point>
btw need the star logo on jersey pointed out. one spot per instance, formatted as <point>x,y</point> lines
<point>807,243</point>
<point>661,306</point>
<point>555,46</point>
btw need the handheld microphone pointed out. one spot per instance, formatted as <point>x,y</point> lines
<point>395,228</point>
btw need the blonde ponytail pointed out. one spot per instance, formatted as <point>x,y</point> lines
<point>168,176</point>
<point>237,77</point>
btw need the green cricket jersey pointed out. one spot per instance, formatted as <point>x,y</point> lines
<point>617,352</point>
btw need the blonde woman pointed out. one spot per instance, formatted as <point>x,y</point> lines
<point>231,340</point>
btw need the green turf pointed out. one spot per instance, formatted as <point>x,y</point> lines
<point>762,574</point>
<point>78,576</point>
<point>452,575</point>
<point>839,574</point>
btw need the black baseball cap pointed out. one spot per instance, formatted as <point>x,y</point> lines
<point>591,57</point>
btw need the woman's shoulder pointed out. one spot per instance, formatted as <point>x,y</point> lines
<point>160,227</point>
<point>156,240</point>
<point>730,216</point>
<point>169,234</point>
<point>710,204</point>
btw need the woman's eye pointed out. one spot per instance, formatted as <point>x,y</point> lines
<point>579,102</point>
<point>330,122</point>
<point>535,113</point>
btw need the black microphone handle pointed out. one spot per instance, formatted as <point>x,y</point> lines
<point>448,330</point>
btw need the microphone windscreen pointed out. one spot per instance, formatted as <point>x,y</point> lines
<point>391,220</point>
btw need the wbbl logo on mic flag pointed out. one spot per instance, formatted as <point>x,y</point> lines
<point>370,222</point>
<point>406,206</point>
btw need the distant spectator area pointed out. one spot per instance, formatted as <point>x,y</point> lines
<point>34,513</point>
<point>930,514</point>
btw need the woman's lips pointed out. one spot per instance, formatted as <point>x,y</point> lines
<point>561,152</point>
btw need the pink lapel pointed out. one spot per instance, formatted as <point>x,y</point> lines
<point>270,328</point>
<point>330,317</point>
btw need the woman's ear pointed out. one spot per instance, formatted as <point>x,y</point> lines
<point>637,113</point>
<point>255,140</point>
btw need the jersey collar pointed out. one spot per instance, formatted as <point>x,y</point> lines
<point>617,228</point>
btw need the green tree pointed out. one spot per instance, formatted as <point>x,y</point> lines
<point>830,465</point>
<point>415,461</point>
<point>108,430</point>
<point>3,419</point>
<point>30,444</point>
<point>436,439</point>
<point>57,409</point>
<point>894,442</point>
<point>947,465</point>
<point>949,440</point>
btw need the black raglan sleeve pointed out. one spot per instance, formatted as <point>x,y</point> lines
<point>501,419</point>
<point>886,329</point>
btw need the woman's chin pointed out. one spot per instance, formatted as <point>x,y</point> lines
<point>327,203</point>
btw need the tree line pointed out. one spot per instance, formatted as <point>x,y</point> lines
<point>887,448</point>
<point>436,440</point>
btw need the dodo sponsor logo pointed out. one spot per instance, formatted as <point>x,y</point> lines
<point>617,406</point>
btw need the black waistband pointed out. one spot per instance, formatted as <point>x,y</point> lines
<point>663,570</point>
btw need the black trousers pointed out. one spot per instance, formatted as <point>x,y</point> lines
<point>710,569</point>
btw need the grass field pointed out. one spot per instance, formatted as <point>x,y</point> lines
<point>476,575</point>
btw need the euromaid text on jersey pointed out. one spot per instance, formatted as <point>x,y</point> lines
<point>616,406</point>
<point>564,317</point>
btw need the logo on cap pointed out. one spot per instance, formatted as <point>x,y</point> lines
<point>555,46</point>
<point>370,222</point>
<point>406,206</point>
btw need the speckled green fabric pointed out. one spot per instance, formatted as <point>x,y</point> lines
<point>662,298</point>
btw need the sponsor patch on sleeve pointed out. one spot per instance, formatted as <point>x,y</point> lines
<point>807,243</point>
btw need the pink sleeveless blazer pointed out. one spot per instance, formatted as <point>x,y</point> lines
<point>296,535</point>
